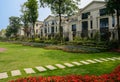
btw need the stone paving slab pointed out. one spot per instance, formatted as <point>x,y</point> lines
<point>84,62</point>
<point>98,60</point>
<point>60,66</point>
<point>77,63</point>
<point>29,70</point>
<point>50,67</point>
<point>116,58</point>
<point>41,69</point>
<point>3,75</point>
<point>104,59</point>
<point>119,58</point>
<point>68,64</point>
<point>15,72</point>
<point>91,61</point>
<point>111,59</point>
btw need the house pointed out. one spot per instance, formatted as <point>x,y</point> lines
<point>37,26</point>
<point>93,18</point>
<point>2,33</point>
<point>50,27</point>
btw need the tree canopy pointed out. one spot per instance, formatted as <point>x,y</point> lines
<point>61,7</point>
<point>14,25</point>
<point>25,19</point>
<point>32,12</point>
<point>113,7</point>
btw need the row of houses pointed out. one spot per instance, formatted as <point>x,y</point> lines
<point>87,22</point>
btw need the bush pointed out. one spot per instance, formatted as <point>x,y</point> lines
<point>81,49</point>
<point>51,42</point>
<point>112,44</point>
<point>41,45</point>
<point>96,37</point>
<point>112,77</point>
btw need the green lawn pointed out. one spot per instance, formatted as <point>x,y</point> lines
<point>20,57</point>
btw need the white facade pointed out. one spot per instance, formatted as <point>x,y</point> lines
<point>37,26</point>
<point>90,20</point>
<point>2,33</point>
<point>50,27</point>
<point>21,31</point>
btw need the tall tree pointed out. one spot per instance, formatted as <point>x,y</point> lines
<point>14,26</point>
<point>61,7</point>
<point>32,6</point>
<point>8,32</point>
<point>25,19</point>
<point>113,6</point>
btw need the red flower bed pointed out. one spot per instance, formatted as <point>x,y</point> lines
<point>112,77</point>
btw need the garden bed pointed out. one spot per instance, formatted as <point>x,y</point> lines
<point>76,48</point>
<point>67,48</point>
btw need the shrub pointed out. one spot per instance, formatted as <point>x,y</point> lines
<point>41,45</point>
<point>112,77</point>
<point>96,37</point>
<point>112,44</point>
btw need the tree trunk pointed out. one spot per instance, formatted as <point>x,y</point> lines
<point>60,20</point>
<point>33,36</point>
<point>25,31</point>
<point>118,27</point>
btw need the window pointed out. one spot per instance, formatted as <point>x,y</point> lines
<point>85,24</point>
<point>45,30</point>
<point>36,25</point>
<point>52,29</point>
<point>56,29</point>
<point>85,15</point>
<point>91,24</point>
<point>61,29</point>
<point>41,32</point>
<point>113,35</point>
<point>48,29</point>
<point>113,21</point>
<point>52,22</point>
<point>45,23</point>
<point>91,35</point>
<point>84,29</point>
<point>104,29</point>
<point>104,23</point>
<point>74,27</point>
<point>102,11</point>
<point>36,30</point>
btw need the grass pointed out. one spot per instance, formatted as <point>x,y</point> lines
<point>19,57</point>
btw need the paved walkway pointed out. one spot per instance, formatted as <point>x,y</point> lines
<point>57,66</point>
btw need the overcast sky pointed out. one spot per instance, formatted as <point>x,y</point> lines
<point>12,8</point>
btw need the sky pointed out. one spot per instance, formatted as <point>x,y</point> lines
<point>12,8</point>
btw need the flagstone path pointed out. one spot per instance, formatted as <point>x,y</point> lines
<point>57,66</point>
